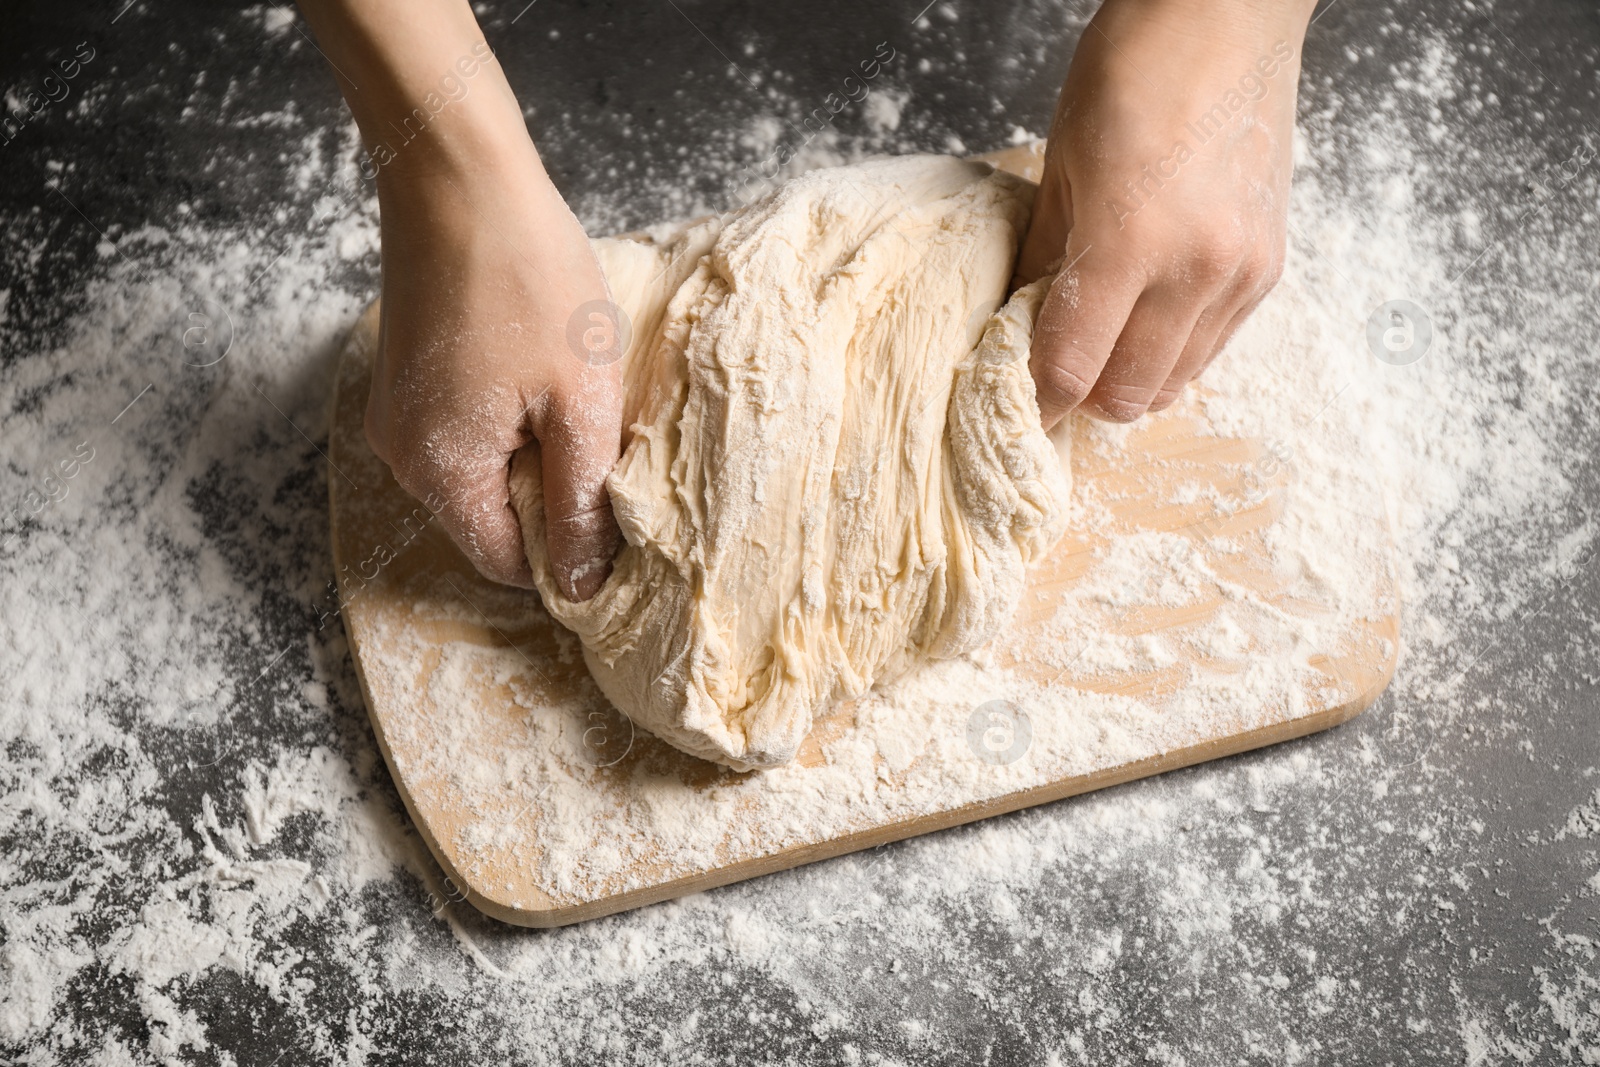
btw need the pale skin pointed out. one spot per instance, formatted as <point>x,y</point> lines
<point>1166,251</point>
<point>484,266</point>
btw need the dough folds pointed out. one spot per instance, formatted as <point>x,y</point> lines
<point>836,468</point>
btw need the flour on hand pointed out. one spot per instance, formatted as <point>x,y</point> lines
<point>837,468</point>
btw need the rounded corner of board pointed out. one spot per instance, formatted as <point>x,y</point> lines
<point>1363,701</point>
<point>539,916</point>
<point>535,917</point>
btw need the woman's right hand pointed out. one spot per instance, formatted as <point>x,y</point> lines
<point>486,277</point>
<point>485,274</point>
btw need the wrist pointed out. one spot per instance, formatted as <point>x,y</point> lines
<point>1154,62</point>
<point>431,143</point>
<point>1211,27</point>
<point>424,87</point>
<point>467,186</point>
<point>457,125</point>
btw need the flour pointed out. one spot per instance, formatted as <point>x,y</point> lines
<point>196,818</point>
<point>1583,820</point>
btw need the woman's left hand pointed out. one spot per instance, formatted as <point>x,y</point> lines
<point>1164,196</point>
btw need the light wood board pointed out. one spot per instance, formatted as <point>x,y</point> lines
<point>416,612</point>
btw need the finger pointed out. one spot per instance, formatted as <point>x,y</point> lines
<point>1240,317</point>
<point>476,512</point>
<point>1048,228</point>
<point>578,446</point>
<point>471,499</point>
<point>1083,314</point>
<point>1224,317</point>
<point>1143,357</point>
<point>1232,318</point>
<point>1197,353</point>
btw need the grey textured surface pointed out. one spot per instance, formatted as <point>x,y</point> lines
<point>1266,909</point>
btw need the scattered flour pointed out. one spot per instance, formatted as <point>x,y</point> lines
<point>196,818</point>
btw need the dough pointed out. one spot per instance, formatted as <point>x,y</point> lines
<point>837,467</point>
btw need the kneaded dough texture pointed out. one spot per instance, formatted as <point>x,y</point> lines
<point>837,466</point>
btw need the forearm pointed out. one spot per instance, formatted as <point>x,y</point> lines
<point>424,88</point>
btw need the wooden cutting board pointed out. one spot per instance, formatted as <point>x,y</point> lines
<point>544,807</point>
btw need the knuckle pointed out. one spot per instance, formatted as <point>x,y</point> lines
<point>405,455</point>
<point>1121,266</point>
<point>491,560</point>
<point>1215,264</point>
<point>1271,268</point>
<point>1060,385</point>
<point>578,404</point>
<point>1107,258</point>
<point>583,525</point>
<point>422,469</point>
<point>1217,254</point>
<point>1114,410</point>
<point>1254,265</point>
<point>1115,266</point>
<point>1165,397</point>
<point>1119,403</point>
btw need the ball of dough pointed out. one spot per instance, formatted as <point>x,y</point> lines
<point>837,467</point>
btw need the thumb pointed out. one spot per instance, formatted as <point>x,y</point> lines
<point>1049,226</point>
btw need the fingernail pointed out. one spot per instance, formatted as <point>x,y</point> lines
<point>584,581</point>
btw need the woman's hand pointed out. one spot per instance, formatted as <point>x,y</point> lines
<point>492,297</point>
<point>1164,196</point>
<point>484,271</point>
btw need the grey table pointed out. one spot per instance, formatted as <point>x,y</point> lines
<point>1272,908</point>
